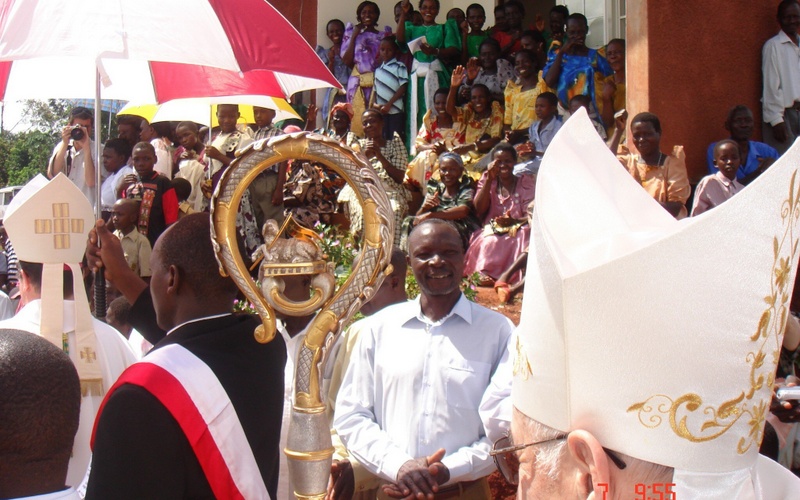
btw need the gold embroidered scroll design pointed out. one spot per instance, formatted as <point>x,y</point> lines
<point>762,360</point>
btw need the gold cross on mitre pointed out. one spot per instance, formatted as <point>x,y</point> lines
<point>88,354</point>
<point>60,225</point>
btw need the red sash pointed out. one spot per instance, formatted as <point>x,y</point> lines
<point>190,391</point>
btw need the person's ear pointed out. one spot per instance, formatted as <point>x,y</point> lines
<point>592,471</point>
<point>174,280</point>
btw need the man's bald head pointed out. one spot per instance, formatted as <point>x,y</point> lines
<point>40,399</point>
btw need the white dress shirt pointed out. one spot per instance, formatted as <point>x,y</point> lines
<point>163,158</point>
<point>114,356</point>
<point>414,386</point>
<point>780,68</point>
<point>108,193</point>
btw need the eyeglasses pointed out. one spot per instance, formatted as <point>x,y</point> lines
<point>505,456</point>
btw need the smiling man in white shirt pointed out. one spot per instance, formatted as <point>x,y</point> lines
<point>781,72</point>
<point>408,405</point>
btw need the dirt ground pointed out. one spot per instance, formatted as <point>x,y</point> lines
<point>487,297</point>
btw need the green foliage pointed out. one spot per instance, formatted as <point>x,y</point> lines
<point>27,156</point>
<point>469,286</point>
<point>340,248</point>
<point>243,306</point>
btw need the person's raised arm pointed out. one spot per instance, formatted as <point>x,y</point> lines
<point>455,81</point>
<point>483,198</point>
<point>464,28</point>
<point>405,11</point>
<point>554,72</point>
<point>349,54</point>
<point>58,162</point>
<point>89,172</point>
<point>620,123</point>
<point>609,89</point>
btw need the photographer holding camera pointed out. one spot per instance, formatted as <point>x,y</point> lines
<point>75,154</point>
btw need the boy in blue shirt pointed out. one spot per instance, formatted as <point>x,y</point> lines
<point>756,156</point>
<point>391,82</point>
<point>541,133</point>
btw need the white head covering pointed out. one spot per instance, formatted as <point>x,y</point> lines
<point>47,222</point>
<point>658,336</point>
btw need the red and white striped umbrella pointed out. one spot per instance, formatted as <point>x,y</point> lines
<point>143,49</point>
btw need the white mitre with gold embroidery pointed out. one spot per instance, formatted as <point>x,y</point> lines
<point>48,222</point>
<point>658,336</point>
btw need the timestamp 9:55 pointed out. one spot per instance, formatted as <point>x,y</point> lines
<point>647,491</point>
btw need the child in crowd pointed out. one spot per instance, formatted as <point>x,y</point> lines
<point>520,97</point>
<point>534,41</point>
<point>488,69</point>
<point>158,135</point>
<point>135,245</point>
<point>118,315</point>
<point>439,133</point>
<point>116,154</point>
<point>509,40</point>
<point>472,35</point>
<point>158,204</point>
<point>558,24</point>
<point>266,190</point>
<point>457,14</point>
<point>189,162</point>
<point>541,133</point>
<point>225,140</point>
<point>391,83</point>
<point>183,189</point>
<point>500,24</point>
<point>333,60</point>
<point>715,189</point>
<point>584,101</point>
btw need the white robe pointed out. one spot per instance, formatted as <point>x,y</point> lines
<point>114,355</point>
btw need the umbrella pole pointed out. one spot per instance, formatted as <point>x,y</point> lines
<point>99,275</point>
<point>210,126</point>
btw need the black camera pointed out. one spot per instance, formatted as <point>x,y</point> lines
<point>77,134</point>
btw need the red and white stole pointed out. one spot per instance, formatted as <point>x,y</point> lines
<point>190,391</point>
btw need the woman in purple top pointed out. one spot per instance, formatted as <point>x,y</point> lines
<point>360,52</point>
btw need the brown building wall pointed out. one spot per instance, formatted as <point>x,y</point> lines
<point>303,16</point>
<point>689,62</point>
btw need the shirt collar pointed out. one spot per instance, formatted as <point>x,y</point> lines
<point>724,180</point>
<point>204,318</point>
<point>462,308</point>
<point>785,38</point>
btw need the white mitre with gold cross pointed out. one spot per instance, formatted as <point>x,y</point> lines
<point>48,222</point>
<point>658,336</point>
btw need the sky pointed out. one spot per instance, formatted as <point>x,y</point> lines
<point>12,117</point>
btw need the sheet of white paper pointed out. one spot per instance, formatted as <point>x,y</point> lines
<point>414,45</point>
